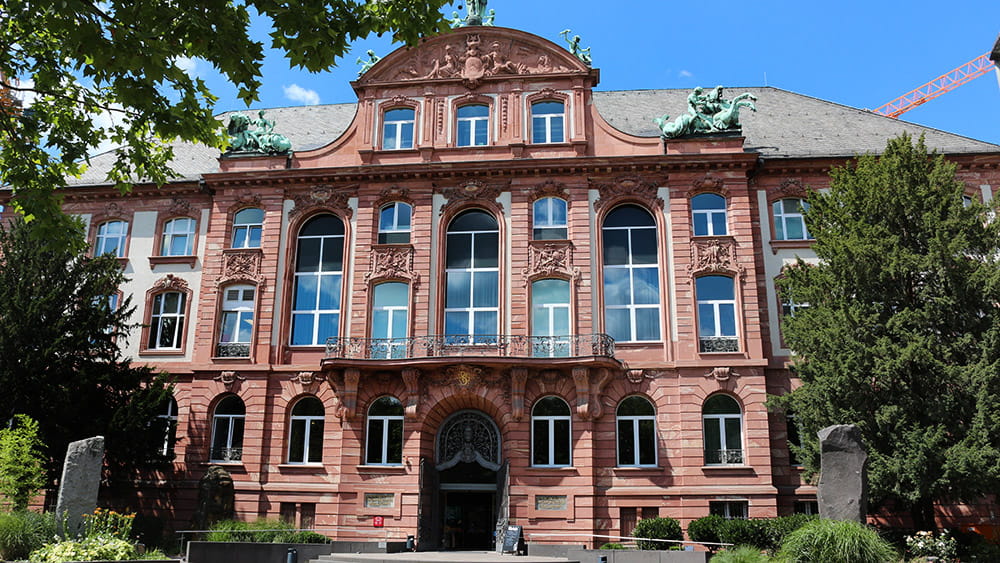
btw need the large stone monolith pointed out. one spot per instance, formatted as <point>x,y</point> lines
<point>843,478</point>
<point>81,479</point>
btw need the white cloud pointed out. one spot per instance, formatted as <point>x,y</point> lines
<point>302,95</point>
<point>26,97</point>
<point>685,74</point>
<point>187,64</point>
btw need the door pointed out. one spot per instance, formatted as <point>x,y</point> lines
<point>429,507</point>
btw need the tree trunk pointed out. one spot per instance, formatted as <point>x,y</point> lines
<point>922,512</point>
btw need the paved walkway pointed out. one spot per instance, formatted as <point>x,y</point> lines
<point>439,557</point>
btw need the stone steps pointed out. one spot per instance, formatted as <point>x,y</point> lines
<point>437,557</point>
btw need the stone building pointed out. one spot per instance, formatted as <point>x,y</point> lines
<point>484,293</point>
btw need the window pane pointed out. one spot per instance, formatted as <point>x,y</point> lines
<point>615,247</point>
<point>399,114</point>
<point>473,111</point>
<point>308,257</point>
<point>626,443</point>
<point>700,224</point>
<point>550,291</point>
<point>646,284</point>
<point>647,324</point>
<point>305,291</point>
<point>302,329</point>
<point>245,326</point>
<point>644,246</point>
<point>561,442</point>
<point>617,288</point>
<point>168,328</point>
<point>386,406</point>
<point>486,323</point>
<point>395,445</point>
<point>550,406</point>
<point>315,440</point>
<point>254,241</point>
<point>399,324</point>
<point>220,434</point>
<point>406,137</point>
<point>485,289</point>
<point>485,250</point>
<point>719,223</point>
<point>459,288</point>
<point>647,442</point>
<point>464,133</point>
<point>456,323</point>
<point>459,251</point>
<point>706,320</point>
<point>538,130</point>
<point>794,229</point>
<point>327,327</point>
<point>380,324</point>
<point>733,438</point>
<point>629,216</point>
<point>329,291</point>
<point>618,324</point>
<point>708,201</point>
<point>249,216</point>
<point>228,331</point>
<point>714,288</point>
<point>727,319</point>
<point>333,254</point>
<point>713,439</point>
<point>543,108</point>
<point>540,442</point>
<point>556,124</point>
<point>721,404</point>
<point>297,441</point>
<point>636,406</point>
<point>375,441</point>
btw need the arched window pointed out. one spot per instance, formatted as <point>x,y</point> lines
<point>385,432</point>
<point>716,314</point>
<point>547,119</point>
<point>549,219</point>
<point>550,433</point>
<point>236,322</point>
<point>789,223</point>
<point>722,421</point>
<point>397,129</point>
<point>708,215</point>
<point>394,223</point>
<point>164,427</point>
<point>227,430</point>
<point>636,419</point>
<point>305,436</point>
<point>248,224</point>
<point>631,275</point>
<point>319,269</point>
<point>473,126</point>
<point>550,323</point>
<point>178,237</point>
<point>390,326</point>
<point>166,321</point>
<point>111,238</point>
<point>472,278</point>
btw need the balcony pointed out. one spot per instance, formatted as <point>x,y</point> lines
<point>226,455</point>
<point>723,457</point>
<point>708,344</point>
<point>450,349</point>
<point>232,350</point>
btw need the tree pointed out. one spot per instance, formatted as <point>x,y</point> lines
<point>901,329</point>
<point>22,473</point>
<point>80,58</point>
<point>60,361</point>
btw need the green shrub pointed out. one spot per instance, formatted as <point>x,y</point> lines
<point>706,529</point>
<point>303,536</point>
<point>612,545</point>
<point>100,547</point>
<point>834,541</point>
<point>928,544</point>
<point>753,533</point>
<point>780,527</point>
<point>743,554</point>
<point>261,531</point>
<point>658,529</point>
<point>21,471</point>
<point>974,547</point>
<point>23,532</point>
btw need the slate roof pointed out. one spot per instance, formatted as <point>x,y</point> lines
<point>786,125</point>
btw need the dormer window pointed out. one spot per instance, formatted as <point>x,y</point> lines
<point>397,129</point>
<point>473,126</point>
<point>547,120</point>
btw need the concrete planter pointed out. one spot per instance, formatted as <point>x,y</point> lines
<point>627,556</point>
<point>246,552</point>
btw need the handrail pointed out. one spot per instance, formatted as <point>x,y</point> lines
<point>479,345</point>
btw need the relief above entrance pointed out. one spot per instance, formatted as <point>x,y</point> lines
<point>469,437</point>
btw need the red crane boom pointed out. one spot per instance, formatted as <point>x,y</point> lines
<point>944,83</point>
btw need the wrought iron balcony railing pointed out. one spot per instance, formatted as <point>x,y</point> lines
<point>232,350</point>
<point>502,345</point>
<point>226,454</point>
<point>723,457</point>
<point>718,344</point>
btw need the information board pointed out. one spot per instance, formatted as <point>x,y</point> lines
<point>511,538</point>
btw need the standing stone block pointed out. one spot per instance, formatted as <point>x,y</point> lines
<point>216,498</point>
<point>843,479</point>
<point>81,479</point>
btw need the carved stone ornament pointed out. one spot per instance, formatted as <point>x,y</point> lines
<point>169,282</point>
<point>113,211</point>
<point>325,197</point>
<point>345,387</point>
<point>721,374</point>
<point>179,207</point>
<point>392,193</point>
<point>392,262</point>
<point>548,188</point>
<point>307,378</point>
<point>708,183</point>
<point>637,375</point>
<point>789,188</point>
<point>245,199</point>
<point>241,265</point>
<point>228,378</point>
<point>628,187</point>
<point>548,259</point>
<point>518,379</point>
<point>714,255</point>
<point>473,190</point>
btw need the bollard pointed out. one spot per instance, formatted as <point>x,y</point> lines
<point>293,555</point>
<point>410,545</point>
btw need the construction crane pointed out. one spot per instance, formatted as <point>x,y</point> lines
<point>944,83</point>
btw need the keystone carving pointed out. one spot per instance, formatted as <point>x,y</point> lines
<point>307,378</point>
<point>714,255</point>
<point>630,187</point>
<point>113,211</point>
<point>244,200</point>
<point>789,188</point>
<point>169,283</point>
<point>548,188</point>
<point>241,265</point>
<point>721,373</point>
<point>324,197</point>
<point>473,190</point>
<point>228,379</point>
<point>390,194</point>
<point>548,258</point>
<point>391,262</point>
<point>179,207</point>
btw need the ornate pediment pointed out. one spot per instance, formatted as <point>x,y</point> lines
<point>550,259</point>
<point>392,261</point>
<point>472,190</point>
<point>472,55</point>
<point>241,265</point>
<point>714,255</point>
<point>324,197</point>
<point>169,282</point>
<point>789,188</point>
<point>627,188</point>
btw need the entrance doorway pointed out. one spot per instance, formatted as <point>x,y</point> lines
<point>469,520</point>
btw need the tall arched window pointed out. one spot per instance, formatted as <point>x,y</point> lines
<point>547,120</point>
<point>636,419</point>
<point>473,126</point>
<point>397,129</point>
<point>227,430</point>
<point>394,223</point>
<point>631,275</point>
<point>385,432</point>
<point>549,219</point>
<point>390,326</point>
<point>111,237</point>
<point>319,269</point>
<point>722,422</point>
<point>305,435</point>
<point>472,278</point>
<point>550,323</point>
<point>178,237</point>
<point>248,225</point>
<point>716,314</point>
<point>550,433</point>
<point>708,215</point>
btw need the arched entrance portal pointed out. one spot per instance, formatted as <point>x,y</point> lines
<point>464,491</point>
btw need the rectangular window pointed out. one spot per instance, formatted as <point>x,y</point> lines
<point>166,324</point>
<point>397,129</point>
<point>547,122</point>
<point>236,323</point>
<point>729,509</point>
<point>178,237</point>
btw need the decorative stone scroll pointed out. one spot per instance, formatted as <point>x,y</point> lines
<point>721,373</point>
<point>599,378</point>
<point>392,262</point>
<point>169,282</point>
<point>113,211</point>
<point>411,377</point>
<point>548,188</point>
<point>789,188</point>
<point>245,199</point>
<point>548,259</point>
<point>325,197</point>
<point>708,183</point>
<point>628,187</point>
<point>714,255</point>
<point>472,190</point>
<point>178,207</point>
<point>581,377</point>
<point>228,379</point>
<point>392,193</point>
<point>636,376</point>
<point>241,265</point>
<point>307,378</point>
<point>518,379</point>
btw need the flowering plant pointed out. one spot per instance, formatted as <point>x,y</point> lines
<point>927,544</point>
<point>104,522</point>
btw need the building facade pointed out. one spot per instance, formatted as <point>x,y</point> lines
<point>486,293</point>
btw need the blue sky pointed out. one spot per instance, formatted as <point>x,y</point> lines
<point>860,54</point>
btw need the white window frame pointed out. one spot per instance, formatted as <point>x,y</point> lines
<point>104,238</point>
<point>631,268</point>
<point>717,315</point>
<point>723,442</point>
<point>728,506</point>
<point>242,308</point>
<point>243,232</point>
<point>554,343</point>
<point>229,420</point>
<point>550,422</point>
<point>180,227</point>
<point>710,215</point>
<point>307,420</point>
<point>474,123</point>
<point>394,228</point>
<point>158,315</point>
<point>636,443</point>
<point>393,341</point>
<point>547,119</point>
<point>782,218</point>
<point>472,336</point>
<point>169,423</point>
<point>386,421</point>
<point>550,223</point>
<point>395,141</point>
<point>320,275</point>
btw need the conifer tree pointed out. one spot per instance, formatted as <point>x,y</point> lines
<point>22,472</point>
<point>900,336</point>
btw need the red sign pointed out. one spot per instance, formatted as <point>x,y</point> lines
<point>378,521</point>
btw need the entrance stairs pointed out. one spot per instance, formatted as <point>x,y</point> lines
<point>438,557</point>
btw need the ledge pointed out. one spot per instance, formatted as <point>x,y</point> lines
<point>158,260</point>
<point>381,468</point>
<point>777,245</point>
<point>727,468</point>
<point>302,467</point>
<point>157,352</point>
